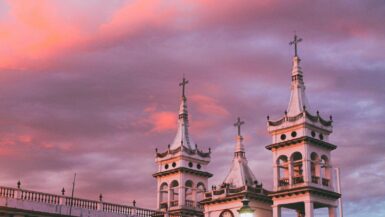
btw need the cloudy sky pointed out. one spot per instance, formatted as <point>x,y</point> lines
<point>92,87</point>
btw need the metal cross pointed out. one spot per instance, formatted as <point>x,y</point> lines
<point>183,84</point>
<point>295,42</point>
<point>238,124</point>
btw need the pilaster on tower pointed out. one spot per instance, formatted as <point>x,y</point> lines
<point>182,176</point>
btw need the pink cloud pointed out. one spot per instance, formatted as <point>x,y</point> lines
<point>208,105</point>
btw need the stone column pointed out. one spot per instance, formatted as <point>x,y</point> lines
<point>309,212</point>
<point>169,196</point>
<point>276,211</point>
<point>182,195</point>
<point>306,170</point>
<point>290,172</point>
<point>332,211</point>
<point>158,197</point>
<point>194,197</point>
<point>276,176</point>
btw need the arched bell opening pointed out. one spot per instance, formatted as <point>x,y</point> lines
<point>283,170</point>
<point>297,167</point>
<point>174,191</point>
<point>325,170</point>
<point>201,189</point>
<point>189,193</point>
<point>163,191</point>
<point>315,168</point>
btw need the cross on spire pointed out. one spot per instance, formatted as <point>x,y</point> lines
<point>183,84</point>
<point>238,124</point>
<point>295,42</point>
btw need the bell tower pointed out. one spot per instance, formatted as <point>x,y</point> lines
<point>303,169</point>
<point>181,176</point>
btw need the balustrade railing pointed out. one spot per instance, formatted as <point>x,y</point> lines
<point>325,182</point>
<point>81,203</point>
<point>174,203</point>
<point>298,180</point>
<point>315,179</point>
<point>163,205</point>
<point>283,182</point>
<point>189,203</point>
<point>7,192</point>
<point>40,197</point>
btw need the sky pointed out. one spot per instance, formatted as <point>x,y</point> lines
<point>91,87</point>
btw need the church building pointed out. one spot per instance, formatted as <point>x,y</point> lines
<point>303,173</point>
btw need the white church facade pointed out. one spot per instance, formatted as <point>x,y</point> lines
<point>303,173</point>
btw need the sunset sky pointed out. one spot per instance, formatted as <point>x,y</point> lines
<point>91,87</point>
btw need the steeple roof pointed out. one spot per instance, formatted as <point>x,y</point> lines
<point>182,137</point>
<point>240,174</point>
<point>298,100</point>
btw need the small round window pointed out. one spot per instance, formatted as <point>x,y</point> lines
<point>312,133</point>
<point>321,137</point>
<point>174,164</point>
<point>199,166</point>
<point>166,166</point>
<point>293,134</point>
<point>283,137</point>
<point>190,164</point>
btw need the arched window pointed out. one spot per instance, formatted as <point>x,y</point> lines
<point>315,168</point>
<point>200,191</point>
<point>283,171</point>
<point>163,191</point>
<point>297,166</point>
<point>325,169</point>
<point>174,193</point>
<point>189,193</point>
<point>226,213</point>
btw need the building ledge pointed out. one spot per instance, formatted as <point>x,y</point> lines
<point>302,139</point>
<point>305,189</point>
<point>183,170</point>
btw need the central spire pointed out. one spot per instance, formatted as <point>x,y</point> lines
<point>240,173</point>
<point>182,136</point>
<point>239,148</point>
<point>298,100</point>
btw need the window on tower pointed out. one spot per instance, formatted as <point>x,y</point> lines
<point>315,168</point>
<point>325,169</point>
<point>297,165</point>
<point>283,171</point>
<point>163,191</point>
<point>174,193</point>
<point>189,194</point>
<point>200,191</point>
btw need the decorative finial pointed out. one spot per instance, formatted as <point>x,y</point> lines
<point>134,203</point>
<point>156,150</point>
<point>183,84</point>
<point>317,113</point>
<point>238,124</point>
<point>295,42</point>
<point>304,107</point>
<point>209,150</point>
<point>100,197</point>
<point>331,118</point>
<point>285,112</point>
<point>18,184</point>
<point>63,191</point>
<point>268,117</point>
<point>168,146</point>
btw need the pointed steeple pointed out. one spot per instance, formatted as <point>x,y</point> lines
<point>240,174</point>
<point>298,100</point>
<point>182,136</point>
